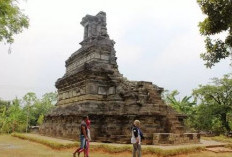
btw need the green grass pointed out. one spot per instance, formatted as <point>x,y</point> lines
<point>16,147</point>
<point>108,148</point>
<point>172,152</point>
<point>51,144</point>
<point>220,138</point>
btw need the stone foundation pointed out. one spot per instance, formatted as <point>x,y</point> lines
<point>170,138</point>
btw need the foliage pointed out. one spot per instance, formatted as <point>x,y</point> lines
<point>29,99</point>
<point>17,115</point>
<point>12,20</point>
<point>4,104</point>
<point>13,118</point>
<point>43,106</point>
<point>214,111</point>
<point>218,20</point>
<point>185,106</point>
<point>40,119</point>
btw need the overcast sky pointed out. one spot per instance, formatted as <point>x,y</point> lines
<point>156,41</point>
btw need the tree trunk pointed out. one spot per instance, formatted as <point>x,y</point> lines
<point>225,123</point>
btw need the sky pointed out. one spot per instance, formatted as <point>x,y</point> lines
<point>156,41</point>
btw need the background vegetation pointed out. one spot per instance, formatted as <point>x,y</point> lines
<point>12,20</point>
<point>18,115</point>
<point>209,108</point>
<point>218,21</point>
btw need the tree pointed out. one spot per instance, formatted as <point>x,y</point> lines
<point>218,20</point>
<point>29,99</point>
<point>40,119</point>
<point>185,106</point>
<point>18,115</point>
<point>42,107</point>
<point>12,118</point>
<point>4,106</point>
<point>182,106</point>
<point>216,100</point>
<point>12,20</point>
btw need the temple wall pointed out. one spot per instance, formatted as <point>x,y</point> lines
<point>104,128</point>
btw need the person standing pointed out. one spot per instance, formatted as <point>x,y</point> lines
<point>136,138</point>
<point>83,137</point>
<point>89,137</point>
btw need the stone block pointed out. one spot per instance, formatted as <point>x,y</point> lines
<point>111,90</point>
<point>102,90</point>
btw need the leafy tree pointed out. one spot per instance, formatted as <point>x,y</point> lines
<point>216,100</point>
<point>43,106</point>
<point>13,118</point>
<point>18,115</point>
<point>4,104</point>
<point>205,120</point>
<point>185,106</point>
<point>29,100</point>
<point>12,20</point>
<point>218,20</point>
<point>40,119</point>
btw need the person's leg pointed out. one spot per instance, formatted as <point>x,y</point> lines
<point>82,145</point>
<point>76,150</point>
<point>87,149</point>
<point>74,153</point>
<point>139,150</point>
<point>81,150</point>
<point>135,146</point>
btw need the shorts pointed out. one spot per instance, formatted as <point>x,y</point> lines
<point>83,141</point>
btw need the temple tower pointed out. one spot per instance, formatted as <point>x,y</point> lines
<point>93,85</point>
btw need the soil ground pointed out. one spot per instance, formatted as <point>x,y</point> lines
<point>15,147</point>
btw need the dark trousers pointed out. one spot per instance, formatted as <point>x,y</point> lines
<point>136,150</point>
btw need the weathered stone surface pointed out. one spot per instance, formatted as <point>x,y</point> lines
<point>93,85</point>
<point>171,138</point>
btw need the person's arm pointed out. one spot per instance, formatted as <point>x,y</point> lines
<point>141,134</point>
<point>84,132</point>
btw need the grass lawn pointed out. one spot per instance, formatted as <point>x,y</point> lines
<point>220,138</point>
<point>15,147</point>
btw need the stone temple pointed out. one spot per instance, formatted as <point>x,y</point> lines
<point>92,85</point>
